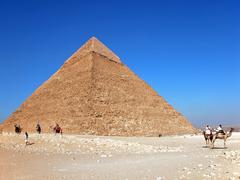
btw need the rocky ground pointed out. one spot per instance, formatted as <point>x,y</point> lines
<point>96,157</point>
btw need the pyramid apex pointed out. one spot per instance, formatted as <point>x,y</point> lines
<point>94,45</point>
<point>93,38</point>
<point>94,41</point>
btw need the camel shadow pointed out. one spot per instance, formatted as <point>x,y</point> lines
<point>214,147</point>
<point>29,144</point>
<point>219,148</point>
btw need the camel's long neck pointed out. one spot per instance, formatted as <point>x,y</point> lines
<point>229,134</point>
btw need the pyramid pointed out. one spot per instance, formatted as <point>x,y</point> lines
<point>95,93</point>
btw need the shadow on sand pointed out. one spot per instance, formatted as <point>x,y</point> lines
<point>219,148</point>
<point>29,144</point>
<point>214,147</point>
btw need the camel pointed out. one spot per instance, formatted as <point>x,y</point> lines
<point>38,129</point>
<point>57,129</point>
<point>223,136</point>
<point>18,129</point>
<point>208,138</point>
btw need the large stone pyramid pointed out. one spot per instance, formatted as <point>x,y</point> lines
<point>95,93</point>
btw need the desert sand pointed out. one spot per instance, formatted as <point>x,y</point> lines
<point>98,157</point>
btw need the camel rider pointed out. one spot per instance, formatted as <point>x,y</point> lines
<point>220,129</point>
<point>38,128</point>
<point>208,130</point>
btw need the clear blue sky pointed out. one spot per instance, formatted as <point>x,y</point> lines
<point>188,51</point>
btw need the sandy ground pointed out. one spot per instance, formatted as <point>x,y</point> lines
<point>94,157</point>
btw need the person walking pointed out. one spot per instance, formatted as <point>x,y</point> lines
<point>26,139</point>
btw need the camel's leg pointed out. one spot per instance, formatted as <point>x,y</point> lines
<point>207,141</point>
<point>213,143</point>
<point>224,143</point>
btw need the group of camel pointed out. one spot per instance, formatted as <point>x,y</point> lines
<point>56,129</point>
<point>211,138</point>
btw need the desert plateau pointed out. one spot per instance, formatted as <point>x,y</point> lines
<point>107,157</point>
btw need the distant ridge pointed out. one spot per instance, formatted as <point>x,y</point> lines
<point>236,127</point>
